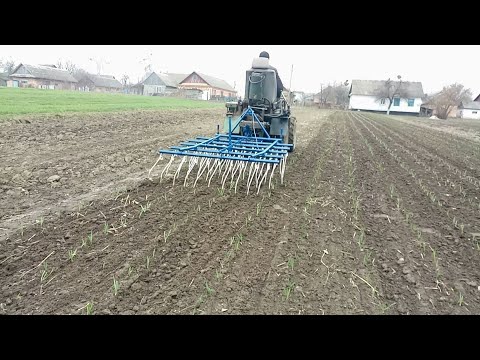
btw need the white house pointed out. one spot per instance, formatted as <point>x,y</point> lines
<point>469,110</point>
<point>364,95</point>
<point>298,97</point>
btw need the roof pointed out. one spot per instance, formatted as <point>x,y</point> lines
<point>44,72</point>
<point>477,98</point>
<point>215,82</point>
<point>370,87</point>
<point>171,79</point>
<point>107,81</point>
<point>471,105</point>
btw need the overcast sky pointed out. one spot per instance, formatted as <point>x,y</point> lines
<point>313,65</point>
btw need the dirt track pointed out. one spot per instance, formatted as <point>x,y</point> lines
<point>377,217</point>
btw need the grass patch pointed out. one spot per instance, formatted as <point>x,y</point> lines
<point>21,101</point>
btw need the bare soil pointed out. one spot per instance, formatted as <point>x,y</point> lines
<point>376,216</point>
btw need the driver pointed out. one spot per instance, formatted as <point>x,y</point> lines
<point>280,87</point>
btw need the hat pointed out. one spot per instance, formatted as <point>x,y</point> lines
<point>264,54</point>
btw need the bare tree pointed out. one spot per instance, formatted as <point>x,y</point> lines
<point>325,95</point>
<point>341,94</point>
<point>125,79</point>
<point>79,73</point>
<point>7,65</point>
<point>336,94</point>
<point>391,89</point>
<point>449,97</point>
<point>67,65</point>
<point>70,67</point>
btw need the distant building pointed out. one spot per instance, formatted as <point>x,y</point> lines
<point>470,110</point>
<point>158,84</point>
<point>309,99</point>
<point>40,76</point>
<point>363,95</point>
<point>210,87</point>
<point>428,107</point>
<point>98,83</point>
<point>298,97</point>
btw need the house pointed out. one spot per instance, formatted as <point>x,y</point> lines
<point>469,110</point>
<point>428,107</point>
<point>3,79</point>
<point>325,97</point>
<point>98,83</point>
<point>158,84</point>
<point>364,95</point>
<point>309,99</point>
<point>43,77</point>
<point>427,110</point>
<point>298,97</point>
<point>211,87</point>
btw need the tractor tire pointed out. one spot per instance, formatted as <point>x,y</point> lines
<point>292,132</point>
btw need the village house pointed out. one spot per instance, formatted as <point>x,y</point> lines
<point>210,87</point>
<point>41,76</point>
<point>469,110</point>
<point>98,83</point>
<point>158,84</point>
<point>428,109</point>
<point>298,97</point>
<point>364,95</point>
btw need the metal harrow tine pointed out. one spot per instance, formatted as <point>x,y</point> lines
<point>227,157</point>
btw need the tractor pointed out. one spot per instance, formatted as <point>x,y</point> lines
<point>258,133</point>
<point>267,102</point>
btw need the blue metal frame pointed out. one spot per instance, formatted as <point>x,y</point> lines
<point>235,147</point>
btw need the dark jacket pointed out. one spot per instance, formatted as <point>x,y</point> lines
<point>279,82</point>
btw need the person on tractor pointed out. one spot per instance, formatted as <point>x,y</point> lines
<point>280,87</point>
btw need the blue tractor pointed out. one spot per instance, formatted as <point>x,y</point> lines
<point>258,133</point>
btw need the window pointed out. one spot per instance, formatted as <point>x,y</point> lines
<point>382,101</point>
<point>411,102</point>
<point>396,102</point>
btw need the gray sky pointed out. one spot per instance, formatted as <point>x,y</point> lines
<point>433,65</point>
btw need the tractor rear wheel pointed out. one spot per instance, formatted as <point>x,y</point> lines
<point>292,132</point>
